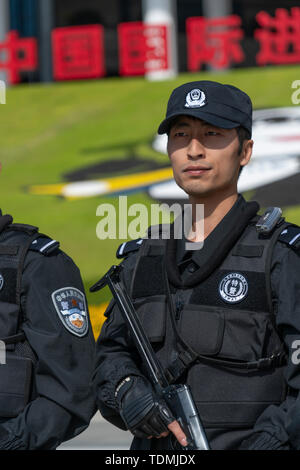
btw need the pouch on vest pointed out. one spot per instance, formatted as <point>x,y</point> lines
<point>236,335</point>
<point>15,385</point>
<point>236,397</point>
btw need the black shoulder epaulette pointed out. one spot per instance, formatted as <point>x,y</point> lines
<point>291,237</point>
<point>44,245</point>
<point>128,247</point>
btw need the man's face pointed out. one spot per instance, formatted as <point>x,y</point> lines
<point>205,158</point>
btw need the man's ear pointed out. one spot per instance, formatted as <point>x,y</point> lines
<point>246,152</point>
<point>168,146</point>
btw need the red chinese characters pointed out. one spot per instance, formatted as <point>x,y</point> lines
<point>279,37</point>
<point>78,52</point>
<point>142,48</point>
<point>20,54</point>
<point>214,41</point>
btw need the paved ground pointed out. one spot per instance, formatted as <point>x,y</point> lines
<point>100,435</point>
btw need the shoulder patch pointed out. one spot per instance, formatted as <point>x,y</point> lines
<point>44,245</point>
<point>291,236</point>
<point>128,247</point>
<point>70,305</point>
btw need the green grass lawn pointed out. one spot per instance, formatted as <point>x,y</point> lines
<point>47,130</point>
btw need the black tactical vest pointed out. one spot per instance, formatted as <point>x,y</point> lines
<point>224,342</point>
<point>17,359</point>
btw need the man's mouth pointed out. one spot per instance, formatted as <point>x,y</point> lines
<point>196,170</point>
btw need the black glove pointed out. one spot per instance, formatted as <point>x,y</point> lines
<point>143,412</point>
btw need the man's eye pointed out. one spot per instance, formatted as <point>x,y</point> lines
<point>180,134</point>
<point>212,133</point>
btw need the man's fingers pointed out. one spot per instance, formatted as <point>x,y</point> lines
<point>175,428</point>
<point>163,434</point>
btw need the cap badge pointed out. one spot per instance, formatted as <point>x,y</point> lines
<point>195,99</point>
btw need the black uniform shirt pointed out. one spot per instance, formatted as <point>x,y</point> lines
<point>64,402</point>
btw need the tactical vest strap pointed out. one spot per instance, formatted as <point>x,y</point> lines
<point>273,241</point>
<point>23,254</point>
<point>14,338</point>
<point>14,244</point>
<point>181,364</point>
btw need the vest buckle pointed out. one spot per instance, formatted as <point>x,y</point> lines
<point>275,360</point>
<point>265,363</point>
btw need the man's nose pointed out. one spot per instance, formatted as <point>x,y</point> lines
<point>195,149</point>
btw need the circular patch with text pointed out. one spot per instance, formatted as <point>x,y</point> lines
<point>233,288</point>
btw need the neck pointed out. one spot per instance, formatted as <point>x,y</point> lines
<point>215,209</point>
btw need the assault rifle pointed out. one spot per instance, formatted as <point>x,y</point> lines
<point>177,397</point>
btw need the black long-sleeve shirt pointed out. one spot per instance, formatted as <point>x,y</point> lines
<point>64,403</point>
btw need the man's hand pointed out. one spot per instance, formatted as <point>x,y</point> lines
<point>145,414</point>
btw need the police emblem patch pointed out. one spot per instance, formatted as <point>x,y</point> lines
<point>71,308</point>
<point>195,99</point>
<point>1,281</point>
<point>233,288</point>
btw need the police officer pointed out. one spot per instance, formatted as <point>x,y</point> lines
<point>46,364</point>
<point>224,319</point>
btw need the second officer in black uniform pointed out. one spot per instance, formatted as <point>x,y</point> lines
<point>46,361</point>
<point>224,319</point>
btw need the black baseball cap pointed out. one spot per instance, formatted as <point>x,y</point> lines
<point>224,106</point>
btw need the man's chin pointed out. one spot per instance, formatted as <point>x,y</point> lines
<point>195,192</point>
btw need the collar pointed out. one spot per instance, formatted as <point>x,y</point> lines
<point>198,256</point>
<point>216,245</point>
